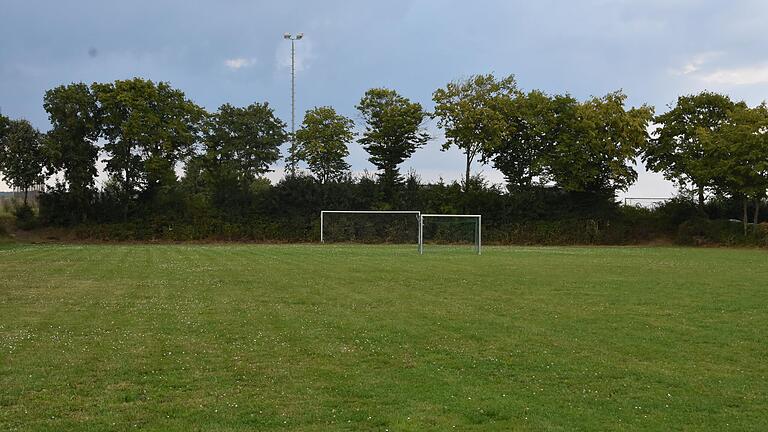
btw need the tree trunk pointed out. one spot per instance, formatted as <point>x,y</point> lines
<point>467,175</point>
<point>701,196</point>
<point>26,193</point>
<point>745,216</point>
<point>756,219</point>
<point>126,197</point>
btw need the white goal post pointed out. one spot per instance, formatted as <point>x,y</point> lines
<point>478,228</point>
<point>419,217</point>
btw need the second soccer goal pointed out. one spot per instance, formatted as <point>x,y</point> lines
<point>451,229</point>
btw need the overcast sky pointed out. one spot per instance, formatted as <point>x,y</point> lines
<point>233,51</point>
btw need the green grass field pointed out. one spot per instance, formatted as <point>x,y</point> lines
<point>317,338</point>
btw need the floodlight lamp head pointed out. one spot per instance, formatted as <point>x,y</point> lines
<point>299,36</point>
<point>286,35</point>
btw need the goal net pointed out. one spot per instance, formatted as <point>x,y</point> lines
<point>451,230</point>
<point>369,226</point>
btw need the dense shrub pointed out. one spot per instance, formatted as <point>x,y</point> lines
<point>289,212</point>
<point>762,234</point>
<point>6,224</point>
<point>25,217</point>
<point>721,232</point>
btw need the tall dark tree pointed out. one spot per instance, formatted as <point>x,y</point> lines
<point>149,128</point>
<point>240,146</point>
<point>524,140</point>
<point>393,131</point>
<point>595,143</point>
<point>322,142</point>
<point>676,148</point>
<point>21,156</point>
<point>737,153</point>
<point>467,111</point>
<point>244,141</point>
<point>71,145</point>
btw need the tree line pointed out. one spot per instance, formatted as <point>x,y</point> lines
<point>144,132</point>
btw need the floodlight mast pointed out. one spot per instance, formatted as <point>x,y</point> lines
<point>292,151</point>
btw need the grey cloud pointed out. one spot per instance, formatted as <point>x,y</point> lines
<point>586,47</point>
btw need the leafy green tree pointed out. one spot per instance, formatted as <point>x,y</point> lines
<point>676,148</point>
<point>737,152</point>
<point>468,112</point>
<point>149,128</point>
<point>21,155</point>
<point>322,142</point>
<point>71,145</point>
<point>244,141</point>
<point>595,143</point>
<point>240,146</point>
<point>393,131</point>
<point>524,140</point>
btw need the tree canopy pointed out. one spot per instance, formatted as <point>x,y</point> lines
<point>737,154</point>
<point>393,130</point>
<point>468,111</point>
<point>549,148</point>
<point>322,142</point>
<point>21,155</point>
<point>71,146</point>
<point>527,121</point>
<point>148,128</point>
<point>676,148</point>
<point>595,144</point>
<point>244,141</point>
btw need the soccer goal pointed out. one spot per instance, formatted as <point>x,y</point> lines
<point>449,229</point>
<point>370,226</point>
<point>400,226</point>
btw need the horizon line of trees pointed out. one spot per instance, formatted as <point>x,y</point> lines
<point>143,131</point>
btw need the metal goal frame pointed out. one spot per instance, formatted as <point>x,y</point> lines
<point>419,216</point>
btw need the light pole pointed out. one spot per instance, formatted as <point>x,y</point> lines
<point>292,160</point>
